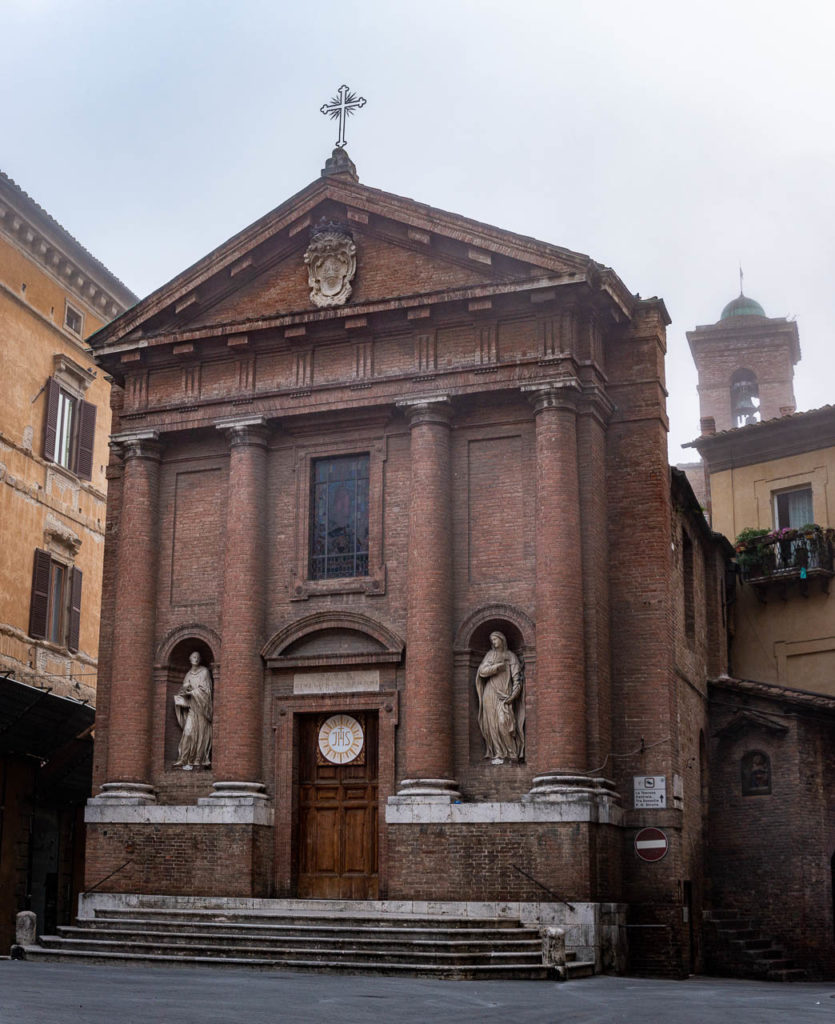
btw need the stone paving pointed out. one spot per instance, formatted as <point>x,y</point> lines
<point>45,993</point>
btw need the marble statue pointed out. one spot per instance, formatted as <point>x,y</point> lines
<point>193,707</point>
<point>499,684</point>
<point>331,259</point>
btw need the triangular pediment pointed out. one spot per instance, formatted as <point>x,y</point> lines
<point>404,250</point>
<point>386,269</point>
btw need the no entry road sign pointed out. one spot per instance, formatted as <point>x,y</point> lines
<point>651,844</point>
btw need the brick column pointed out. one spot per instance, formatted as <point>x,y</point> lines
<point>238,704</point>
<point>556,713</point>
<point>428,694</point>
<point>593,416</point>
<point>129,733</point>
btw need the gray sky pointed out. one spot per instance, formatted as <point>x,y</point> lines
<point>668,141</point>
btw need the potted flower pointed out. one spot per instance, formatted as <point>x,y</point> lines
<point>754,553</point>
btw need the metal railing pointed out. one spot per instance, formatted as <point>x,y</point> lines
<point>785,554</point>
<point>545,888</point>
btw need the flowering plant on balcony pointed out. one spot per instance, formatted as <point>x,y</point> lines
<point>763,553</point>
<point>754,554</point>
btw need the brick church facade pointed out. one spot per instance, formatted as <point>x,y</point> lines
<point>350,445</point>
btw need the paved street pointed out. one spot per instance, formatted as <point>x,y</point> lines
<point>77,994</point>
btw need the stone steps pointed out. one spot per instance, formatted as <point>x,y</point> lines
<point>224,938</point>
<point>435,953</point>
<point>348,941</point>
<point>739,949</point>
<point>465,972</point>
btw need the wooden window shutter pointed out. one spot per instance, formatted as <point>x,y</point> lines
<point>75,611</point>
<point>50,433</point>
<point>39,606</point>
<point>86,437</point>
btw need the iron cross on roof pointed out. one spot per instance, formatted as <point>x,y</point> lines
<point>342,106</point>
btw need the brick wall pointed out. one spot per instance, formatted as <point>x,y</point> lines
<point>186,860</point>
<point>476,862</point>
<point>771,853</point>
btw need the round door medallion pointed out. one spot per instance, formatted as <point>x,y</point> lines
<point>340,739</point>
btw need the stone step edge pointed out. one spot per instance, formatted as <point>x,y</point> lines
<point>390,920</point>
<point>173,949</point>
<point>69,933</point>
<point>42,953</point>
<point>92,924</point>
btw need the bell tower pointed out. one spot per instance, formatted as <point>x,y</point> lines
<point>746,366</point>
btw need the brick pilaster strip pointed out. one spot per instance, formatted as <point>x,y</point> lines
<point>428,694</point>
<point>556,712</point>
<point>238,711</point>
<point>129,743</point>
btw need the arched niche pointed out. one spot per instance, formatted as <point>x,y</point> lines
<point>473,635</point>
<point>172,664</point>
<point>472,641</point>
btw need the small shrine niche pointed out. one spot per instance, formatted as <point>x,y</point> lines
<point>756,773</point>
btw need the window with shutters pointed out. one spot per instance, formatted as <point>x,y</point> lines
<point>70,427</point>
<point>55,609</point>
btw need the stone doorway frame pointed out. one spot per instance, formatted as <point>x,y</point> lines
<point>286,718</point>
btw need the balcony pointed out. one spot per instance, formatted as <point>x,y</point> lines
<point>785,558</point>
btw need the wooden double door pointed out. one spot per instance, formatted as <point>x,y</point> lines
<point>336,843</point>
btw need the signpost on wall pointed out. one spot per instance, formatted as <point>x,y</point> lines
<point>649,791</point>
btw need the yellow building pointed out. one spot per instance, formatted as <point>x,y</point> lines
<point>778,476</point>
<point>769,472</point>
<point>54,427</point>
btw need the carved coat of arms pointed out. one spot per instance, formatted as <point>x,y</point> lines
<point>331,259</point>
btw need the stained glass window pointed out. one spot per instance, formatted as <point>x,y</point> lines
<point>339,518</point>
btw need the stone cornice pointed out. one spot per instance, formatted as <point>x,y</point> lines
<point>288,403</point>
<point>746,332</point>
<point>296,318</point>
<point>34,233</point>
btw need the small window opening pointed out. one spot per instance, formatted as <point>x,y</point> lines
<point>73,320</point>
<point>689,597</point>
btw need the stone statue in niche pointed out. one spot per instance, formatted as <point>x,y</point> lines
<point>331,259</point>
<point>499,683</point>
<point>756,774</point>
<point>193,708</point>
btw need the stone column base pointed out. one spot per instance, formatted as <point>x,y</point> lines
<point>427,791</point>
<point>126,793</point>
<point>597,795</point>
<point>235,793</point>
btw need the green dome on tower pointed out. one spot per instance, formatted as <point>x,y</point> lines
<point>742,306</point>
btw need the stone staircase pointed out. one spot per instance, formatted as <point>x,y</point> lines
<point>290,939</point>
<point>737,948</point>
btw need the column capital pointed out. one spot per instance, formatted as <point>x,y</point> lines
<point>554,394</point>
<point>251,430</point>
<point>137,444</point>
<point>596,403</point>
<point>430,409</point>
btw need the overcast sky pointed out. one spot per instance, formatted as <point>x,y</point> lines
<point>665,140</point>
